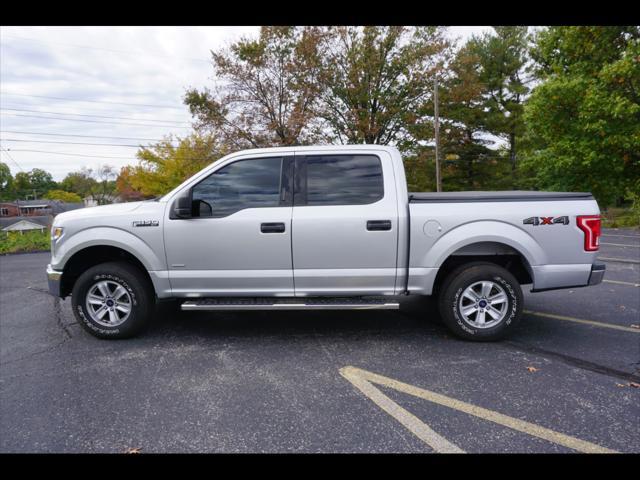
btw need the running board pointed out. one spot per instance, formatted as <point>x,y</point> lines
<point>290,304</point>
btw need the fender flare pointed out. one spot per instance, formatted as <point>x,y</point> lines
<point>467,234</point>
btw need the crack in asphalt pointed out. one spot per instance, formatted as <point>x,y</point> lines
<point>57,311</point>
<point>574,361</point>
<point>39,352</point>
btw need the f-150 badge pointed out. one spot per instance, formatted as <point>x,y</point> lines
<point>535,221</point>
<point>146,223</point>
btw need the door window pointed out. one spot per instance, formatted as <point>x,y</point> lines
<point>243,184</point>
<point>343,180</point>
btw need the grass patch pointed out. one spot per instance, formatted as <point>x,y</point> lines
<point>615,217</point>
<point>33,241</point>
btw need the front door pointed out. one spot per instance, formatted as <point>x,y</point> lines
<point>345,225</point>
<point>239,240</point>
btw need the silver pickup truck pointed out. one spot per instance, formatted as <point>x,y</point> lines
<point>321,228</point>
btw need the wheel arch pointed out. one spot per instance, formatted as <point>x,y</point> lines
<point>496,253</point>
<point>93,255</point>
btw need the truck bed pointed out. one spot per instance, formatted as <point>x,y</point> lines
<point>504,196</point>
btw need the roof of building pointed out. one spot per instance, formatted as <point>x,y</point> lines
<point>42,220</point>
<point>56,206</point>
<point>23,225</point>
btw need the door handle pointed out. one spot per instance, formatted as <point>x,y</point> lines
<point>378,225</point>
<point>276,227</point>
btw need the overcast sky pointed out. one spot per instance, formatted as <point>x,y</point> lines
<point>65,84</point>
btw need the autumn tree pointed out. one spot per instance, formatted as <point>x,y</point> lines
<point>164,165</point>
<point>584,118</point>
<point>266,90</point>
<point>125,189</point>
<point>374,81</point>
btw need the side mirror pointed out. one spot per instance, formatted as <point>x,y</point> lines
<point>182,206</point>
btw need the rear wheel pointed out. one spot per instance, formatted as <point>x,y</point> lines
<point>112,300</point>
<point>480,301</point>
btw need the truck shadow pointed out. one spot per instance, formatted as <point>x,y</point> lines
<point>415,314</point>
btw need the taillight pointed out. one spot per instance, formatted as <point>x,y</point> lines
<point>590,225</point>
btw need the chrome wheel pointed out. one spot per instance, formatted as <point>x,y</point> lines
<point>483,304</point>
<point>108,303</point>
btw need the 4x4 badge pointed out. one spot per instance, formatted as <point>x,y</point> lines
<point>535,221</point>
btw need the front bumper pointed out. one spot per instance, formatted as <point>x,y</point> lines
<point>597,273</point>
<point>54,278</point>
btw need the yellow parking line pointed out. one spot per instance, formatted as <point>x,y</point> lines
<point>364,380</point>
<point>412,423</point>
<point>622,283</point>
<point>580,320</point>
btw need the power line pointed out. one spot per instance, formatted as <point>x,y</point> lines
<point>70,143</point>
<point>96,116</point>
<point>66,153</point>
<point>91,121</point>
<point>101,109</point>
<point>12,159</point>
<point>201,157</point>
<point>84,136</point>
<point>107,49</point>
<point>92,101</point>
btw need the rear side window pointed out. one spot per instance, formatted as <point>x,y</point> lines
<point>239,185</point>
<point>343,180</point>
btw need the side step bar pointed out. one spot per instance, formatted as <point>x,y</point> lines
<point>290,304</point>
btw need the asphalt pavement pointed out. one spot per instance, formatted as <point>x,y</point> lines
<point>355,381</point>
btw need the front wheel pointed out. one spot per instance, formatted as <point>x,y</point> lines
<point>112,300</point>
<point>480,301</point>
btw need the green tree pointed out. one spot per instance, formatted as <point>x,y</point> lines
<point>503,63</point>
<point>33,184</point>
<point>22,184</point>
<point>6,182</point>
<point>41,181</point>
<point>584,119</point>
<point>267,90</point>
<point>468,163</point>
<point>80,182</point>
<point>63,196</point>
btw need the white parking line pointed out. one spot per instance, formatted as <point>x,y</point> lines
<point>619,245</point>
<point>619,260</point>
<point>617,235</point>
<point>622,283</point>
<point>580,320</point>
<point>364,380</point>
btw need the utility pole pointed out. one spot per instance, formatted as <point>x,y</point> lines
<point>437,132</point>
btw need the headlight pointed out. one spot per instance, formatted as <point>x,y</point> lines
<point>56,233</point>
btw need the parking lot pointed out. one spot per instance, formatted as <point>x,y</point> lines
<point>357,381</point>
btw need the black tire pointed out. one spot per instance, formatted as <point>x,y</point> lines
<point>140,299</point>
<point>455,284</point>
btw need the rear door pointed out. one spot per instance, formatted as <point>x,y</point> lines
<point>344,224</point>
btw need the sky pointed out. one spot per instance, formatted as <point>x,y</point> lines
<point>65,89</point>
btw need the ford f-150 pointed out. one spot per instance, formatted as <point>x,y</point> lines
<point>321,228</point>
